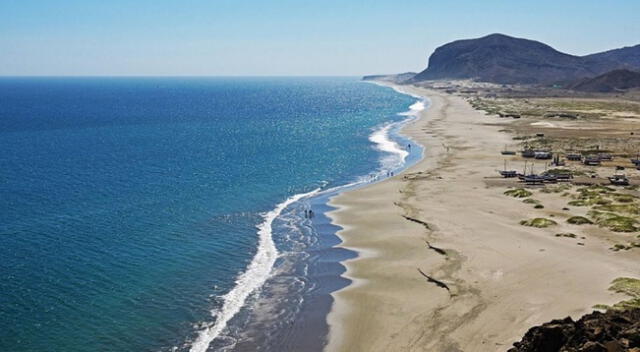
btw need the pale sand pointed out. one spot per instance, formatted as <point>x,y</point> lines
<point>504,277</point>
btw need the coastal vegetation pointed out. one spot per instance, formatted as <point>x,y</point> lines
<point>518,193</point>
<point>538,222</point>
<point>630,208</point>
<point>626,247</point>
<point>579,220</point>
<point>566,234</point>
<point>556,188</point>
<point>614,222</point>
<point>628,286</point>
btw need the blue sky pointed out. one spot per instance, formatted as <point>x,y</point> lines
<point>285,37</point>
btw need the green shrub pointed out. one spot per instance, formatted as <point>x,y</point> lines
<point>538,222</point>
<point>555,189</point>
<point>566,234</point>
<point>579,220</point>
<point>628,286</point>
<point>624,198</point>
<point>518,193</point>
<point>614,222</point>
<point>632,209</point>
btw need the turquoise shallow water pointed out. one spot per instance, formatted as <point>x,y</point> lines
<point>130,206</point>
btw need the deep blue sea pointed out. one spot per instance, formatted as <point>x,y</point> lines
<point>146,214</point>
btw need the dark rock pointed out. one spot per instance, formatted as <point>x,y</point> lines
<point>612,331</point>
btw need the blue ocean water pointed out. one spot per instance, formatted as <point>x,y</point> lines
<point>137,214</point>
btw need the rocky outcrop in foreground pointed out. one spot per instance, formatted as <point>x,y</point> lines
<point>612,331</point>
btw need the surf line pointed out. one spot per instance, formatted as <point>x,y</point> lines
<point>253,278</point>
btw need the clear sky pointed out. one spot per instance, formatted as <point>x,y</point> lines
<point>285,37</point>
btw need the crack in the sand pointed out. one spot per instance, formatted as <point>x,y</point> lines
<point>423,223</point>
<point>436,249</point>
<point>435,281</point>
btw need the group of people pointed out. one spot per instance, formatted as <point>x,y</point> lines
<point>309,214</point>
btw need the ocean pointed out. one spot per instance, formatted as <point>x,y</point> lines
<point>174,214</point>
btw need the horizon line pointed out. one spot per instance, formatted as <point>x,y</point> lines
<point>173,76</point>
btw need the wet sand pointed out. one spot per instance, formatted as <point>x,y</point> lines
<point>443,263</point>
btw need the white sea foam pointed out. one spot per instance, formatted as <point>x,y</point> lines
<point>414,109</point>
<point>252,279</point>
<point>395,154</point>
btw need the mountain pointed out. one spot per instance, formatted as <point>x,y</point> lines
<point>503,59</point>
<point>613,81</point>
<point>628,56</point>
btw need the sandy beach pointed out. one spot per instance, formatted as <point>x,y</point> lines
<point>444,264</point>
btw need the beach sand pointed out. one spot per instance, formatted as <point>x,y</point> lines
<point>440,218</point>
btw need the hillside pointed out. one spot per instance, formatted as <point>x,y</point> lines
<point>628,57</point>
<point>503,59</point>
<point>613,81</point>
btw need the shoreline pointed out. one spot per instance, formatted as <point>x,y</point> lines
<point>499,278</point>
<point>325,252</point>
